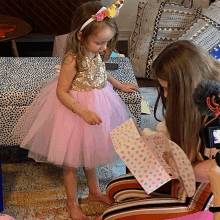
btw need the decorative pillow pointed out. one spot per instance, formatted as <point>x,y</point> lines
<point>205,30</point>
<point>216,53</point>
<point>157,24</point>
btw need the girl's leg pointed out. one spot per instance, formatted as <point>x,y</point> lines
<point>73,207</point>
<point>95,193</point>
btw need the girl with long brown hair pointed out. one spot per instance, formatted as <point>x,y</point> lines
<point>179,68</point>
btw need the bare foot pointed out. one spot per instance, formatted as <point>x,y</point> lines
<point>99,197</point>
<point>75,211</point>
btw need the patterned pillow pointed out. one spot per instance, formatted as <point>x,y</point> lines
<point>216,53</point>
<point>157,24</point>
<point>205,30</point>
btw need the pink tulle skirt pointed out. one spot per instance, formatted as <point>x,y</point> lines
<point>53,133</point>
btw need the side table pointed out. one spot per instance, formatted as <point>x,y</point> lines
<point>22,28</point>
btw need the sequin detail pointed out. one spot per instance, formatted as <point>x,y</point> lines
<point>92,75</point>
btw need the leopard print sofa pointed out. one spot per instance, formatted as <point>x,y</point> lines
<point>21,79</point>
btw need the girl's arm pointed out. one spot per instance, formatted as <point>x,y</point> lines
<point>214,177</point>
<point>126,87</point>
<point>202,169</point>
<point>67,74</point>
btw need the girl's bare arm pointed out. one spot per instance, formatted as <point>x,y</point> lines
<point>126,87</point>
<point>67,74</point>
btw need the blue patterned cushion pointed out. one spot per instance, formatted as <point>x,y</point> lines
<point>216,53</point>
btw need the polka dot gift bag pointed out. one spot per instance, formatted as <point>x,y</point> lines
<point>152,159</point>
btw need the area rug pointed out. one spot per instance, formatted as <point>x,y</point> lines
<point>33,191</point>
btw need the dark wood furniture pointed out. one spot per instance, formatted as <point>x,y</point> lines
<point>22,28</point>
<point>45,16</point>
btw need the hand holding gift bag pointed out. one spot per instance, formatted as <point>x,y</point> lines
<point>152,159</point>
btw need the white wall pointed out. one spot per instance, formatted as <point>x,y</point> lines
<point>127,17</point>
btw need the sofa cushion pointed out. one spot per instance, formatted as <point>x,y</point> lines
<point>157,24</point>
<point>205,30</point>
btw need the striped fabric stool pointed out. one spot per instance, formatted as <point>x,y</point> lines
<point>131,201</point>
<point>205,215</point>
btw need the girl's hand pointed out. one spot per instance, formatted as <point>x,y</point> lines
<point>173,171</point>
<point>214,178</point>
<point>125,87</point>
<point>129,87</point>
<point>91,117</point>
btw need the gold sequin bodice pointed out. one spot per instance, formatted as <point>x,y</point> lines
<point>91,75</point>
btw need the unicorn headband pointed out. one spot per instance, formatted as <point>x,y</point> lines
<point>111,11</point>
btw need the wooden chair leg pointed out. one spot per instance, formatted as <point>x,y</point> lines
<point>14,48</point>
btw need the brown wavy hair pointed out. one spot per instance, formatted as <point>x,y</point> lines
<point>83,13</point>
<point>183,65</point>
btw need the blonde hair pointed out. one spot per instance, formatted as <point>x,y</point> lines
<point>85,12</point>
<point>183,65</point>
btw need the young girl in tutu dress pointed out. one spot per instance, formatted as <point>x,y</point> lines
<point>69,122</point>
